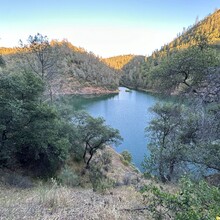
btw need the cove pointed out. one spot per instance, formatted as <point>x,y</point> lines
<point>128,112</point>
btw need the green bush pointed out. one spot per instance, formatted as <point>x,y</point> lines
<point>106,158</point>
<point>126,156</point>
<point>68,177</point>
<point>100,182</point>
<point>193,201</point>
<point>34,136</point>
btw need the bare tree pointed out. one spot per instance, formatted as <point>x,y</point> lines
<point>42,57</point>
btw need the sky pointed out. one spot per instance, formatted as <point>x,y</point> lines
<point>105,27</point>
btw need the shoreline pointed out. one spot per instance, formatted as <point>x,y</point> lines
<point>87,91</point>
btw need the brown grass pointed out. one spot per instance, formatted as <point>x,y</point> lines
<point>57,202</point>
<point>51,201</point>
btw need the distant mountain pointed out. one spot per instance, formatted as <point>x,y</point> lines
<point>117,62</point>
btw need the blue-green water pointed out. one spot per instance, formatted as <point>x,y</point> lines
<point>129,113</point>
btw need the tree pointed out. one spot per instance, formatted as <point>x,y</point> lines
<point>2,62</point>
<point>32,134</point>
<point>15,101</point>
<point>184,70</point>
<point>39,48</point>
<point>165,148</point>
<point>205,149</point>
<point>183,139</point>
<point>93,134</point>
<point>42,57</point>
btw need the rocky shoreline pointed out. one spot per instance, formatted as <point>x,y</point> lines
<point>88,91</point>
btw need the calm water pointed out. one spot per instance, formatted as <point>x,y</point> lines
<point>129,113</point>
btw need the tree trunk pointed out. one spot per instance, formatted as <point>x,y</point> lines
<point>88,161</point>
<point>84,155</point>
<point>161,173</point>
<point>171,169</point>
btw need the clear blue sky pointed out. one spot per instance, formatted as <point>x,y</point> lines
<point>105,27</point>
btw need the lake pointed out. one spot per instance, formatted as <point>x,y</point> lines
<point>126,111</point>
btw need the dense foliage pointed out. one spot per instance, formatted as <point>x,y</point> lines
<point>183,139</point>
<point>184,71</point>
<point>32,134</point>
<point>93,134</point>
<point>193,201</point>
<point>133,77</point>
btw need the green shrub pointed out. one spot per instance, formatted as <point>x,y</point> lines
<point>100,182</point>
<point>34,136</point>
<point>68,177</point>
<point>106,158</point>
<point>126,156</point>
<point>193,201</point>
<point>125,162</point>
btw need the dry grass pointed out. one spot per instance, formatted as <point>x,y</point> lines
<point>56,202</point>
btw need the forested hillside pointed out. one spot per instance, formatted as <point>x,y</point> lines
<point>209,28</point>
<point>118,62</point>
<point>67,69</point>
<point>86,70</point>
<point>132,73</point>
<point>178,62</point>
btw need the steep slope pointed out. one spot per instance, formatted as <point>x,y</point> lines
<point>83,72</point>
<point>129,66</point>
<point>202,33</point>
<point>207,29</point>
<point>131,76</point>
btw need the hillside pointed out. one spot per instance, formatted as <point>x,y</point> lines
<point>208,28</point>
<point>129,66</point>
<point>74,71</point>
<point>132,77</point>
<point>84,73</point>
<point>22,197</point>
<point>118,62</point>
<point>203,33</point>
